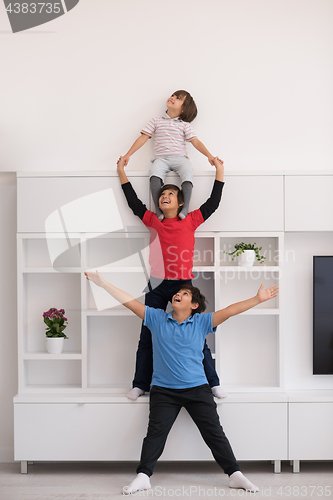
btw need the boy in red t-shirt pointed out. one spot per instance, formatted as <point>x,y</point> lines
<point>171,261</point>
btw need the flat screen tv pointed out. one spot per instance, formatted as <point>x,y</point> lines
<point>323,315</point>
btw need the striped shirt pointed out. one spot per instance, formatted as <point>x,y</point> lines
<point>171,135</point>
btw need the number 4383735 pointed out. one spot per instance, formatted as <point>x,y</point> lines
<point>304,491</point>
<point>34,8</point>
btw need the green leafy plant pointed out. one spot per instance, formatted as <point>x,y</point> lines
<point>56,323</point>
<point>240,247</point>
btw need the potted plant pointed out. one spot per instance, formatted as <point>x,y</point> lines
<point>56,323</point>
<point>246,254</point>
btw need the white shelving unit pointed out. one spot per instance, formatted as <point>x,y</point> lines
<point>90,378</point>
<point>103,335</point>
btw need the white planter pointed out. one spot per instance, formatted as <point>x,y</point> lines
<point>247,258</point>
<point>54,345</point>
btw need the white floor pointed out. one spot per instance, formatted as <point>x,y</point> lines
<point>195,480</point>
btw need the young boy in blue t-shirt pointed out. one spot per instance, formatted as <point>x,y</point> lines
<point>179,378</point>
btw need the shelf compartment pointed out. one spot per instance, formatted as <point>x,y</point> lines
<point>112,345</point>
<point>118,250</point>
<point>204,280</point>
<point>204,254</point>
<point>53,373</point>
<point>51,253</point>
<point>269,244</point>
<point>43,292</point>
<point>235,287</point>
<point>98,299</point>
<point>248,351</point>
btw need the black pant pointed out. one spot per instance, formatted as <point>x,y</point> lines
<point>165,404</point>
<point>159,294</point>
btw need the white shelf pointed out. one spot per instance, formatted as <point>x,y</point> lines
<point>261,312</point>
<point>47,356</point>
<point>203,269</point>
<point>115,311</point>
<point>51,270</point>
<point>124,270</point>
<point>250,270</point>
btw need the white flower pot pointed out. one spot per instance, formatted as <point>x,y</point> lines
<point>54,345</point>
<point>247,258</point>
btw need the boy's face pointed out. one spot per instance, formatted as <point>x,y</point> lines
<point>182,301</point>
<point>169,200</point>
<point>175,104</point>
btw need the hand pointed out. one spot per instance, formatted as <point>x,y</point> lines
<point>217,162</point>
<point>267,294</point>
<point>121,163</point>
<point>126,158</point>
<point>95,277</point>
<point>211,159</point>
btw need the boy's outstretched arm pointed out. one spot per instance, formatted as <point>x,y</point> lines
<point>120,170</point>
<point>218,164</point>
<point>202,149</point>
<point>240,307</point>
<point>133,201</point>
<point>209,207</point>
<point>123,297</point>
<point>137,145</point>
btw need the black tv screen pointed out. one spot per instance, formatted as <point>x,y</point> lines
<point>322,315</point>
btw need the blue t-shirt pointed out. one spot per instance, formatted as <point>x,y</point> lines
<point>177,348</point>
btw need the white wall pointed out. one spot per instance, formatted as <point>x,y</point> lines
<point>298,307</point>
<point>8,323</point>
<point>76,91</point>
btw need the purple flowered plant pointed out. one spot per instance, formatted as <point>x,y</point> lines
<point>55,322</point>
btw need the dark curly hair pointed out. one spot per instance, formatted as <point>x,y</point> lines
<point>197,298</point>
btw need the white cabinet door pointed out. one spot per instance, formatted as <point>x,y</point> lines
<point>311,431</point>
<point>79,431</point>
<point>249,203</point>
<point>256,431</point>
<point>309,203</point>
<point>75,204</point>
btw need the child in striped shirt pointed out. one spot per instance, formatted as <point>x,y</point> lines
<point>172,130</point>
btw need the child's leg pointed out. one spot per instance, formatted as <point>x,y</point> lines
<point>187,187</point>
<point>211,374</point>
<point>157,173</point>
<point>155,186</point>
<point>144,355</point>
<point>202,409</point>
<point>163,412</point>
<point>182,166</point>
<point>164,409</point>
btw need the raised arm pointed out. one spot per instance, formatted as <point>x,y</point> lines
<point>240,307</point>
<point>202,149</point>
<point>137,145</point>
<point>209,207</point>
<point>136,205</point>
<point>120,170</point>
<point>123,297</point>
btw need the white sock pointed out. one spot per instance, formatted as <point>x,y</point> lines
<point>218,392</point>
<point>141,482</point>
<point>237,480</point>
<point>135,393</point>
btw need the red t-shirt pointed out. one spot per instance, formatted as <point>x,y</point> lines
<point>172,245</point>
